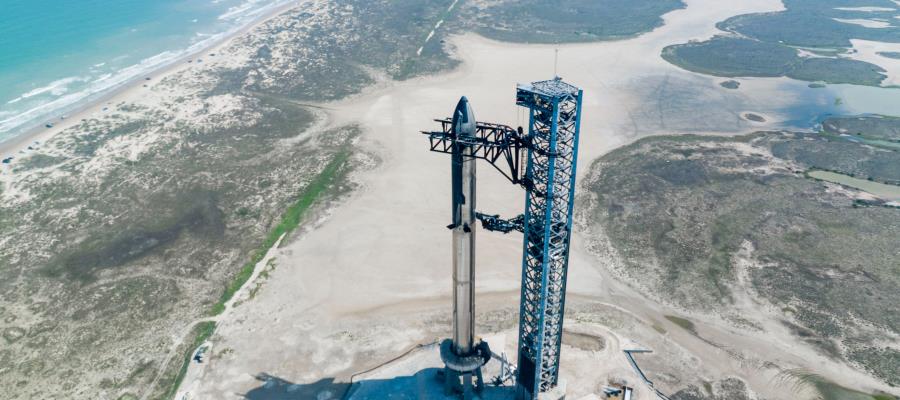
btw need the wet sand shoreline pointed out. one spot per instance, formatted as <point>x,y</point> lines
<point>12,147</point>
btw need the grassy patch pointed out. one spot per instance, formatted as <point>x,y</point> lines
<point>874,127</point>
<point>202,332</point>
<point>558,21</point>
<point>659,328</point>
<point>881,362</point>
<point>812,24</point>
<point>190,212</point>
<point>734,57</point>
<point>728,56</point>
<point>289,221</point>
<point>828,390</point>
<point>765,44</point>
<point>685,210</point>
<point>730,84</point>
<point>433,47</point>
<point>684,323</point>
<point>837,70</point>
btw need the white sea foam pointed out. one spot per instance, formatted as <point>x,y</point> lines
<point>239,11</point>
<point>64,100</point>
<point>864,9</point>
<point>55,88</point>
<point>99,85</point>
<point>250,9</point>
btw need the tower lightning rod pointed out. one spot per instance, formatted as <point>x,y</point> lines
<point>555,61</point>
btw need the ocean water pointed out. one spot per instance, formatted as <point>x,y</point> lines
<point>56,54</point>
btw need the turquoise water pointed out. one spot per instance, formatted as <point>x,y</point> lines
<point>55,53</point>
<point>812,106</point>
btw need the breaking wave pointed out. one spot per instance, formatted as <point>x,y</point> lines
<point>32,108</point>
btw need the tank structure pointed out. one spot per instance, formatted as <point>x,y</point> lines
<point>549,151</point>
<point>462,356</point>
<point>463,227</point>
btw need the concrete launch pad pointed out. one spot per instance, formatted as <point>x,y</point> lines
<point>419,376</point>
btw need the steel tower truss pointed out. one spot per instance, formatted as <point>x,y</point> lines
<point>551,149</point>
<point>555,109</point>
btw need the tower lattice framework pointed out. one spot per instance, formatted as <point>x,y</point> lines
<point>555,108</point>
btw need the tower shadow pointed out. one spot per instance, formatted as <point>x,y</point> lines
<point>275,388</point>
<point>426,384</point>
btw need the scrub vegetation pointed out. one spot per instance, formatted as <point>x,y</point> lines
<point>730,84</point>
<point>703,222</point>
<point>867,127</point>
<point>558,21</point>
<point>740,57</point>
<point>770,44</point>
<point>826,389</point>
<point>151,216</point>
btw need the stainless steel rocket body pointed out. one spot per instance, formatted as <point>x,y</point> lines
<point>463,228</point>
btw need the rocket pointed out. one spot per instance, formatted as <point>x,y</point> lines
<point>463,228</point>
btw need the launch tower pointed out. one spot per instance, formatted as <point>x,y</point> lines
<point>555,110</point>
<point>550,150</point>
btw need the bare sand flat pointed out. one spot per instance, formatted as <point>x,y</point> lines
<point>867,50</point>
<point>372,279</point>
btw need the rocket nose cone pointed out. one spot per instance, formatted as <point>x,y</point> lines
<point>463,110</point>
<point>464,118</point>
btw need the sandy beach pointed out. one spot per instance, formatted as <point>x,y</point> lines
<point>131,90</point>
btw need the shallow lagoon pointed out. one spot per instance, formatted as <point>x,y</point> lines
<point>884,191</point>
